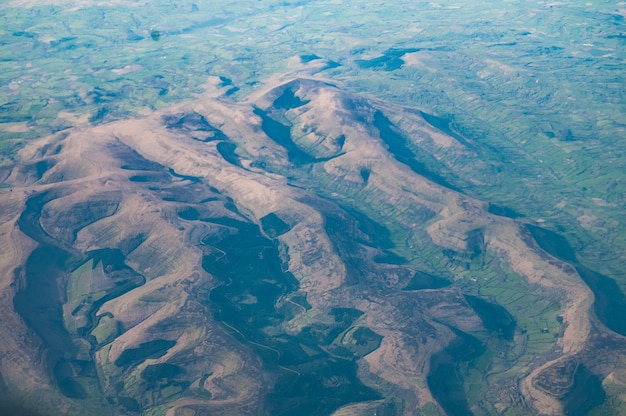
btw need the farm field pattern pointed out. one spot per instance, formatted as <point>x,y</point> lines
<point>312,208</point>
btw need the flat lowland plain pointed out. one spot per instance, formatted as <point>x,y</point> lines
<point>312,208</point>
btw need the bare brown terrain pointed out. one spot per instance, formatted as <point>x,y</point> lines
<point>161,190</point>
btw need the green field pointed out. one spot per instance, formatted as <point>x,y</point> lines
<point>302,206</point>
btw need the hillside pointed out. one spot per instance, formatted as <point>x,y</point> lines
<point>300,251</point>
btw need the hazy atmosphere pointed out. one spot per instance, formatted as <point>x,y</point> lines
<point>312,208</point>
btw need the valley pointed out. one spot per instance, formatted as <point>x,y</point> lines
<point>312,208</point>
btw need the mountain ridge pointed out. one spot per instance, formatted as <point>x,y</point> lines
<point>115,175</point>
